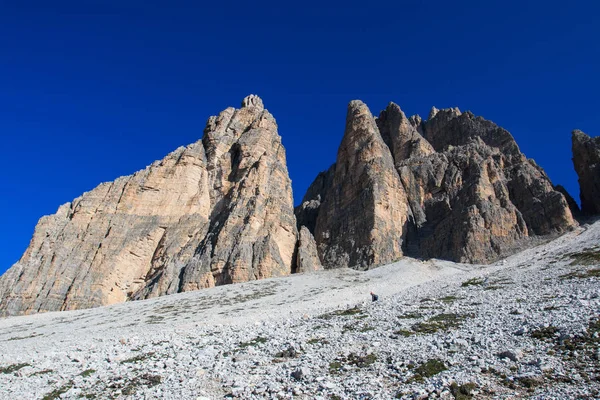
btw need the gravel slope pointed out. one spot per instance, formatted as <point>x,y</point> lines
<point>524,327</point>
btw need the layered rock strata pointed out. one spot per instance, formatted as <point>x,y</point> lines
<point>586,159</point>
<point>466,192</point>
<point>215,212</point>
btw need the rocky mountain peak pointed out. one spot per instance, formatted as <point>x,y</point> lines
<point>360,221</point>
<point>216,212</point>
<point>253,101</point>
<point>455,187</point>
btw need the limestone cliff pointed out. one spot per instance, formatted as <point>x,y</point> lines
<point>215,212</point>
<point>465,192</point>
<point>361,221</point>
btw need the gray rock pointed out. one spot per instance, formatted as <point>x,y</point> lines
<point>586,160</point>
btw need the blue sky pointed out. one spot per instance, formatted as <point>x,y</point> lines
<point>92,90</point>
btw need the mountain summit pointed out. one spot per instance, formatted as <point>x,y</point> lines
<point>215,212</point>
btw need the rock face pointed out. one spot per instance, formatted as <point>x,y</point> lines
<point>586,159</point>
<point>462,187</point>
<point>307,259</point>
<point>215,212</point>
<point>361,221</point>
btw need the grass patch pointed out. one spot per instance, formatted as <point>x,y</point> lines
<point>440,322</point>
<point>13,368</point>
<point>530,382</point>
<point>254,342</point>
<point>404,332</point>
<point>450,299</point>
<point>473,282</point>
<point>139,357</point>
<point>366,328</point>
<point>492,287</point>
<point>589,256</point>
<point>462,392</point>
<point>56,393</point>
<point>24,337</point>
<point>428,369</point>
<point>87,372</point>
<point>317,340</point>
<point>42,372</point>
<point>129,387</point>
<point>590,273</point>
<point>336,366</point>
<point>342,313</point>
<point>546,333</point>
<point>412,315</point>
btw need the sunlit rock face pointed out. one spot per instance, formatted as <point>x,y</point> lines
<point>215,212</point>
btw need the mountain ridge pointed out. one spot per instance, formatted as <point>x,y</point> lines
<point>220,210</point>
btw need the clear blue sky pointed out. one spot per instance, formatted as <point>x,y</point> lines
<point>92,90</point>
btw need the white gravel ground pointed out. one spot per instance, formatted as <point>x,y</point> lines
<point>521,328</point>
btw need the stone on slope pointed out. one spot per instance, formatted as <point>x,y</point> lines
<point>586,159</point>
<point>217,211</point>
<point>361,221</point>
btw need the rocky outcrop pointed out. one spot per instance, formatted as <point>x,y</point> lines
<point>218,211</point>
<point>361,221</point>
<point>468,192</point>
<point>544,210</point>
<point>586,159</point>
<point>573,206</point>
<point>307,259</point>
<point>401,134</point>
<point>307,212</point>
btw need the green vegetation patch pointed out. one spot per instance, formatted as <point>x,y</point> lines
<point>546,333</point>
<point>404,332</point>
<point>254,342</point>
<point>462,392</point>
<point>42,372</point>
<point>87,372</point>
<point>56,393</point>
<point>411,315</point>
<point>428,369</point>
<point>590,273</point>
<point>450,299</point>
<point>589,256</point>
<point>360,361</point>
<point>440,322</point>
<point>24,337</point>
<point>13,368</point>
<point>139,357</point>
<point>131,386</point>
<point>473,282</point>
<point>342,313</point>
